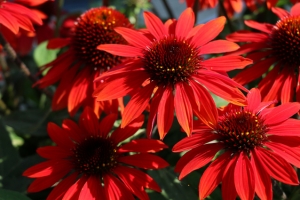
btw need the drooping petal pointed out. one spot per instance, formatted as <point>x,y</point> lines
<point>209,31</point>
<point>144,160</point>
<point>9,21</point>
<point>244,178</point>
<point>183,108</point>
<point>143,146</point>
<point>213,175</point>
<point>133,37</point>
<point>165,112</point>
<point>218,46</point>
<point>137,104</point>
<point>276,166</point>
<point>196,158</point>
<point>282,113</point>
<point>185,23</point>
<point>121,50</point>
<point>155,25</point>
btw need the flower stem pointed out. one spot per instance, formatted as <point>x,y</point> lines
<point>13,56</point>
<point>223,11</point>
<point>195,10</point>
<point>168,9</point>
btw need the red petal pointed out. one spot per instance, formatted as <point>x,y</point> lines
<point>288,90</point>
<point>194,141</point>
<point>226,63</point>
<point>54,152</point>
<point>253,99</point>
<point>74,131</point>
<point>263,184</point>
<point>185,23</point>
<point>291,141</point>
<point>59,136</point>
<point>74,191</point>
<point>289,127</point>
<point>60,189</point>
<point>89,122</point>
<point>133,37</point>
<point>281,113</point>
<point>92,189</point>
<point>244,178</point>
<point>281,13</point>
<point>276,166</point>
<point>121,134</point>
<point>264,27</point>
<point>228,187</point>
<point>154,25</point>
<point>165,113</point>
<point>213,175</point>
<point>115,189</point>
<point>144,160</point>
<point>183,108</point>
<point>197,158</point>
<point>290,154</point>
<point>57,43</point>
<point>107,124</point>
<point>137,104</point>
<point>9,21</point>
<point>121,50</point>
<point>295,10</point>
<point>218,46</point>
<point>247,36</point>
<point>143,146</point>
<point>209,31</point>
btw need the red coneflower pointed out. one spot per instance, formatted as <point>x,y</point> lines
<point>89,162</point>
<point>15,16</point>
<point>272,45</point>
<point>254,143</point>
<point>169,63</point>
<point>76,68</point>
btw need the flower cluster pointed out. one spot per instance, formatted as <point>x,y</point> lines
<point>126,89</point>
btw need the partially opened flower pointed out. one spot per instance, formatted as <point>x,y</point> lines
<point>275,53</point>
<point>253,144</point>
<point>169,62</point>
<point>76,68</point>
<point>89,162</point>
<point>15,16</point>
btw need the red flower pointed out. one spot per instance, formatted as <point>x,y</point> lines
<point>89,162</point>
<point>15,16</point>
<point>76,68</point>
<point>169,63</point>
<point>254,143</point>
<point>272,45</point>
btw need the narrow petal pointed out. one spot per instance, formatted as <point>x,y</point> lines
<point>209,31</point>
<point>291,141</point>
<point>194,141</point>
<point>155,25</point>
<point>196,158</point>
<point>253,99</point>
<point>133,37</point>
<point>165,112</point>
<point>57,43</point>
<point>213,175</point>
<point>263,184</point>
<point>264,27</point>
<point>185,23</point>
<point>143,146</point>
<point>183,108</point>
<point>92,189</point>
<point>281,113</point>
<point>137,104</point>
<point>115,189</point>
<point>228,187</point>
<point>54,152</point>
<point>59,136</point>
<point>289,127</point>
<point>144,160</point>
<point>9,21</point>
<point>226,63</point>
<point>247,36</point>
<point>107,124</point>
<point>244,178</point>
<point>218,46</point>
<point>73,129</point>
<point>121,50</point>
<point>74,191</point>
<point>281,13</point>
<point>276,166</point>
<point>89,122</point>
<point>288,90</point>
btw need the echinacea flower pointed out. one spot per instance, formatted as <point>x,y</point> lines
<point>76,68</point>
<point>275,51</point>
<point>15,16</point>
<point>169,71</point>
<point>90,163</point>
<point>253,144</point>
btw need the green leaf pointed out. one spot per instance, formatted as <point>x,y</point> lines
<point>42,55</point>
<point>8,154</point>
<point>12,195</point>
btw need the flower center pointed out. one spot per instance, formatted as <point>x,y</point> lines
<point>242,131</point>
<point>170,60</point>
<point>95,156</point>
<point>95,27</point>
<point>285,40</point>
